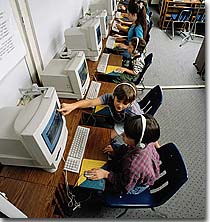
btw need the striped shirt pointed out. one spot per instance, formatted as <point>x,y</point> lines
<point>138,63</point>
<point>133,166</point>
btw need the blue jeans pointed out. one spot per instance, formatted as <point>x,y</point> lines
<point>138,189</point>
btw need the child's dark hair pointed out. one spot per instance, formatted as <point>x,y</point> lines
<point>133,129</point>
<point>125,91</point>
<point>141,16</point>
<point>141,45</point>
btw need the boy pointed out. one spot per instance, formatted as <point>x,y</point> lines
<point>136,165</point>
<point>121,103</point>
<point>136,49</point>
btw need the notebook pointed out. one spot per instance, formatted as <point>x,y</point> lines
<point>88,164</point>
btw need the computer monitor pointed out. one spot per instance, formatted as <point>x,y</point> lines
<point>108,5</point>
<point>85,38</point>
<point>33,135</point>
<point>102,15</point>
<point>70,77</point>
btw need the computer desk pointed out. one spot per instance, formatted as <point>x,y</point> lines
<point>39,194</point>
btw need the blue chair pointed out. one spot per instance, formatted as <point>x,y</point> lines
<point>173,175</point>
<point>183,17</point>
<point>152,100</point>
<point>200,19</point>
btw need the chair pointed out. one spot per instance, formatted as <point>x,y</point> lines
<point>173,175</point>
<point>139,79</point>
<point>183,17</point>
<point>152,100</point>
<point>200,19</point>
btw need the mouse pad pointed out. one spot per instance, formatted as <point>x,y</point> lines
<point>88,164</point>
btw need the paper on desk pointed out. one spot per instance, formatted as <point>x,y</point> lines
<point>100,107</point>
<point>88,164</point>
<point>110,69</point>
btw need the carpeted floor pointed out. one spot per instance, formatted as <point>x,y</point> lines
<point>182,118</point>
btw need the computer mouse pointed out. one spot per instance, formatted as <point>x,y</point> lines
<point>88,175</point>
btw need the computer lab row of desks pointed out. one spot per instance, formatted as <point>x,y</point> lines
<point>40,194</point>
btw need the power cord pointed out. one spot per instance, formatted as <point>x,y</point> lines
<point>73,203</point>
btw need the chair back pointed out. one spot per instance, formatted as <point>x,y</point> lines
<point>173,175</point>
<point>148,62</point>
<point>184,15</point>
<point>152,100</point>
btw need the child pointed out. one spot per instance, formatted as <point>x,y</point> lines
<point>136,63</point>
<point>121,103</point>
<point>135,164</point>
<point>138,29</point>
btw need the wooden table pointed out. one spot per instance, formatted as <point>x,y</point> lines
<point>34,191</point>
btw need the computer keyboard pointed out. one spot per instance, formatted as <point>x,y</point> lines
<point>93,90</point>
<point>74,158</point>
<point>110,42</point>
<point>103,63</point>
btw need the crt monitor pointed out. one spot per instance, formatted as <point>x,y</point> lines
<point>85,38</point>
<point>33,135</point>
<point>108,5</point>
<point>70,77</point>
<point>102,15</point>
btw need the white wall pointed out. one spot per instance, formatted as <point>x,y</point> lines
<point>17,78</point>
<point>50,19</point>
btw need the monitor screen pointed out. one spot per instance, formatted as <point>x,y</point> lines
<point>52,131</point>
<point>83,72</point>
<point>98,31</point>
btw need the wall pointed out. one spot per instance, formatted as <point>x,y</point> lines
<point>49,20</point>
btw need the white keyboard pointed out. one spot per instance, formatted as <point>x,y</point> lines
<point>93,90</point>
<point>103,63</point>
<point>114,27</point>
<point>74,158</point>
<point>110,42</point>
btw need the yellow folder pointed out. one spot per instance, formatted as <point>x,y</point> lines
<point>110,68</point>
<point>88,164</point>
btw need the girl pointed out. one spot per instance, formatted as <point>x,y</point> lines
<point>138,28</point>
<point>135,164</point>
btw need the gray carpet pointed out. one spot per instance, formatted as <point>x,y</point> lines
<point>182,118</point>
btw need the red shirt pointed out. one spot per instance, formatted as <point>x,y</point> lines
<point>133,166</point>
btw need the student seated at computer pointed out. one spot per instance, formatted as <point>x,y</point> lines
<point>135,165</point>
<point>121,103</point>
<point>124,21</point>
<point>136,49</point>
<point>137,29</point>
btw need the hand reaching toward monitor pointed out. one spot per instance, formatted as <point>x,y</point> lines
<point>66,108</point>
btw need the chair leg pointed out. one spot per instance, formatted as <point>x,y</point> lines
<point>121,214</point>
<point>172,29</point>
<point>162,215</point>
<point>167,29</point>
